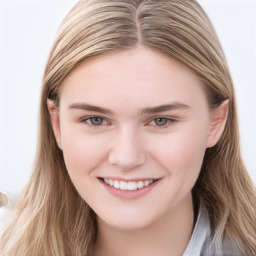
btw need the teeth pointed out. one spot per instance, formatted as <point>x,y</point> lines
<point>131,185</point>
<point>116,184</point>
<point>111,183</point>
<point>146,183</point>
<point>123,185</point>
<point>140,184</point>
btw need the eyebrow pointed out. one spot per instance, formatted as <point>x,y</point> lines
<point>165,107</point>
<point>92,108</point>
<point>147,110</point>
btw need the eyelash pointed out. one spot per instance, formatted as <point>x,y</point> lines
<point>169,121</point>
<point>87,120</point>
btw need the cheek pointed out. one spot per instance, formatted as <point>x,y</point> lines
<point>182,153</point>
<point>189,149</point>
<point>82,152</point>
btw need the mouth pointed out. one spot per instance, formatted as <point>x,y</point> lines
<point>128,185</point>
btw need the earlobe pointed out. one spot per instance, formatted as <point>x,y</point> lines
<point>218,122</point>
<point>55,120</point>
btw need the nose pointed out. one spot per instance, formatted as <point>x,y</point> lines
<point>127,150</point>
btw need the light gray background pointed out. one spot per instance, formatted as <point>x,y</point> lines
<point>27,30</point>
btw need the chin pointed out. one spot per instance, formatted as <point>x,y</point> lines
<point>129,220</point>
<point>130,224</point>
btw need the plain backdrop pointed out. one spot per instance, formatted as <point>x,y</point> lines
<point>27,31</point>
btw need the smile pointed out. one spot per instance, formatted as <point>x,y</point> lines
<point>130,185</point>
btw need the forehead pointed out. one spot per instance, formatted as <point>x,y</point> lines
<point>141,75</point>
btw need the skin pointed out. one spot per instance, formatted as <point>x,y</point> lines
<point>130,144</point>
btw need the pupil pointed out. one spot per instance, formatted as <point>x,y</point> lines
<point>96,120</point>
<point>161,121</point>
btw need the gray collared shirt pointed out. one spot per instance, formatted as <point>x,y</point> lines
<point>202,244</point>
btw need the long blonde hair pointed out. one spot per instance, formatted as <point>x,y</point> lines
<point>50,217</point>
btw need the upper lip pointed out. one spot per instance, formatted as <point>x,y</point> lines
<point>127,179</point>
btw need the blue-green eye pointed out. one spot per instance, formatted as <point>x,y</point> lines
<point>95,120</point>
<point>161,121</point>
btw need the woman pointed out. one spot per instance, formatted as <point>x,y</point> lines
<point>138,147</point>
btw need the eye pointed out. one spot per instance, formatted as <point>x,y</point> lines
<point>161,121</point>
<point>95,120</point>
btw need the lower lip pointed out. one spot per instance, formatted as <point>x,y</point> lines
<point>130,194</point>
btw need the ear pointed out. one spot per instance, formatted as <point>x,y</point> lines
<point>55,120</point>
<point>218,122</point>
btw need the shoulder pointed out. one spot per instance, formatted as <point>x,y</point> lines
<point>224,247</point>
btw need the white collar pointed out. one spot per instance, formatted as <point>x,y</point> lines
<point>200,233</point>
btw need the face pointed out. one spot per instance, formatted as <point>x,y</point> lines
<point>133,126</point>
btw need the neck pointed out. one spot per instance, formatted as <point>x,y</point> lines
<point>169,235</point>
